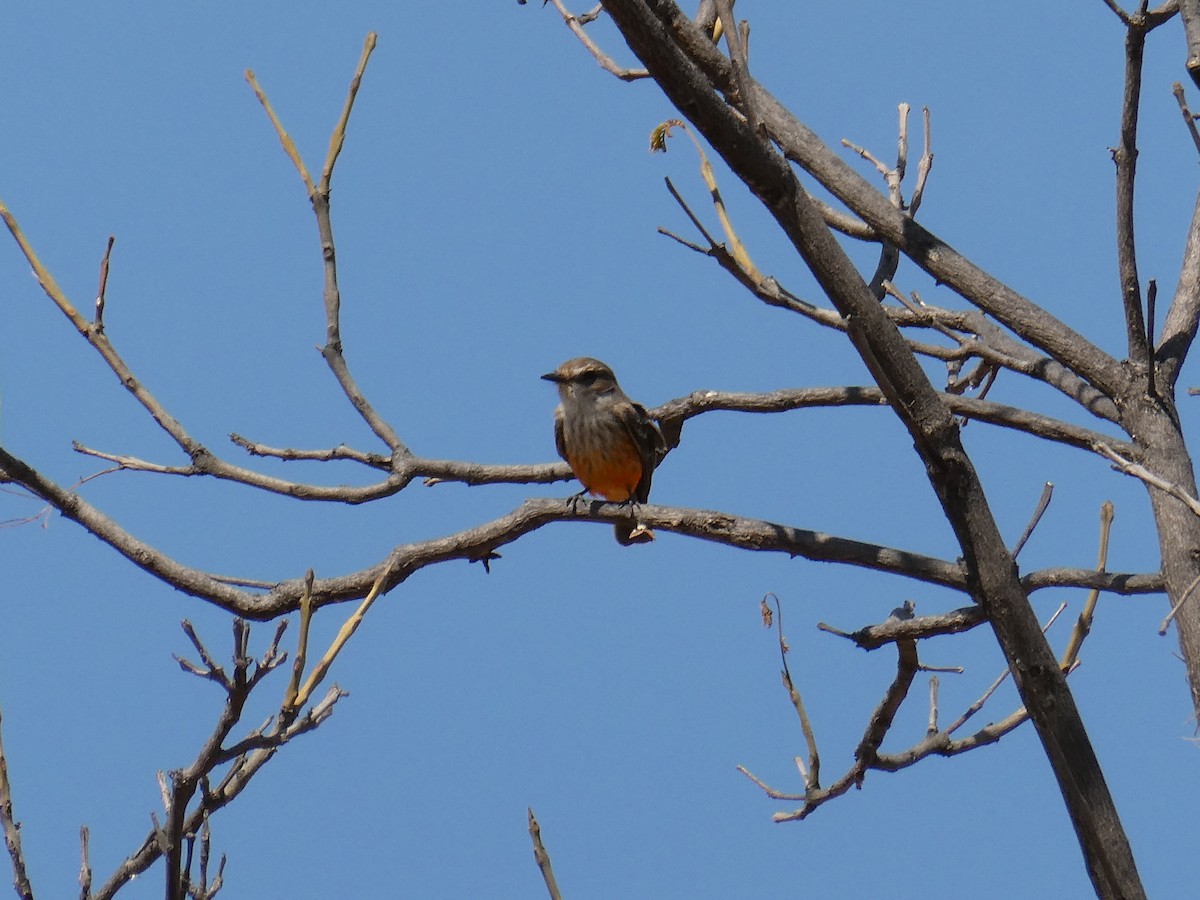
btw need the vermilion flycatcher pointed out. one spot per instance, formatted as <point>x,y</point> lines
<point>610,442</point>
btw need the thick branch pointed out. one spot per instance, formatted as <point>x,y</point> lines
<point>990,569</point>
<point>1190,10</point>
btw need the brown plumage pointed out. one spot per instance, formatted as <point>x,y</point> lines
<point>610,442</point>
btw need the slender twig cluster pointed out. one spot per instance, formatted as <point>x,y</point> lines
<point>904,630</point>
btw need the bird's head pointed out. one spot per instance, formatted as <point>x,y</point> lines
<point>582,376</point>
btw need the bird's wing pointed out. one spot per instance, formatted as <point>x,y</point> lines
<point>560,443</point>
<point>650,444</point>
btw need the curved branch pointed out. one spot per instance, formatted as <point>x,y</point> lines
<point>673,413</point>
<point>606,62</point>
<point>164,568</point>
<point>94,334</point>
<point>480,543</point>
<point>434,471</point>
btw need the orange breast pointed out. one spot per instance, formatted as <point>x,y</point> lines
<point>611,472</point>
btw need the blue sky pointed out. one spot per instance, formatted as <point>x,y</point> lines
<point>495,212</point>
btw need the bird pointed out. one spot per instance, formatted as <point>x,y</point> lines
<point>610,442</point>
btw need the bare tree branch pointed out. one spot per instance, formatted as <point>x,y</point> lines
<point>1125,157</point>
<point>1190,11</point>
<point>1129,467</point>
<point>1189,119</point>
<point>1179,327</point>
<point>175,838</point>
<point>1083,625</point>
<point>673,413</point>
<point>102,290</point>
<point>872,637</point>
<point>12,832</point>
<point>739,61</point>
<point>576,24</point>
<point>475,544</point>
<point>542,857</point>
<point>85,866</point>
<point>802,146</point>
<point>904,632</point>
<point>990,341</point>
<point>866,754</point>
<point>812,772</point>
<point>995,585</point>
<point>1039,511</point>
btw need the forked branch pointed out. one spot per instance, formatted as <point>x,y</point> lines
<point>904,630</point>
<point>219,773</point>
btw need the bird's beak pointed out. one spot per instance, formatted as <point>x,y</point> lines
<point>553,376</point>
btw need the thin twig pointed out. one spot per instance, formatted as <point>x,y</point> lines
<point>658,142</point>
<point>1043,502</point>
<point>289,146</point>
<point>812,777</point>
<point>12,832</point>
<point>542,857</point>
<point>338,138</point>
<point>740,61</point>
<point>1083,625</point>
<point>1141,472</point>
<point>1188,117</point>
<point>576,23</point>
<point>866,753</point>
<point>1162,628</point>
<point>924,166</point>
<point>894,629</point>
<point>175,838</point>
<point>954,670</point>
<point>99,342</point>
<point>348,628</point>
<point>932,727</point>
<point>85,866</point>
<point>306,611</point>
<point>1125,157</point>
<point>98,319</point>
<point>1151,360</point>
<point>1120,13</point>
<point>1015,718</point>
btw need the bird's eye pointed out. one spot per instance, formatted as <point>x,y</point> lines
<point>588,378</point>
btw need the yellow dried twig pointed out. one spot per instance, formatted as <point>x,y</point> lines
<point>338,138</point>
<point>351,625</point>
<point>1083,624</point>
<point>289,146</point>
<point>658,144</point>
